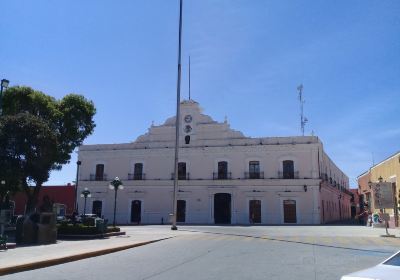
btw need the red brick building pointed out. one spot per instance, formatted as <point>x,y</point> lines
<point>57,194</point>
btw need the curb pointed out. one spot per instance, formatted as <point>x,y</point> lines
<point>89,236</point>
<point>11,246</point>
<point>46,263</point>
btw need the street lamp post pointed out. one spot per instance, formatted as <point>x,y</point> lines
<point>2,183</point>
<point>4,84</point>
<point>78,164</point>
<point>85,193</point>
<point>115,185</point>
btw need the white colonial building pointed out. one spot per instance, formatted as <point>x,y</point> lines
<point>224,177</point>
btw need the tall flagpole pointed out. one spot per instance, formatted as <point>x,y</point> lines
<point>178,102</point>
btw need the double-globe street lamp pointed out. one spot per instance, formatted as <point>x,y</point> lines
<point>85,193</point>
<point>3,85</point>
<point>115,185</point>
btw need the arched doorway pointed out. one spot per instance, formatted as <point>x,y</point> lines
<point>136,211</point>
<point>181,211</point>
<point>255,211</point>
<point>222,208</point>
<point>289,211</point>
<point>97,207</point>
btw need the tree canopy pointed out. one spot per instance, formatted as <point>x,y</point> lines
<point>38,134</point>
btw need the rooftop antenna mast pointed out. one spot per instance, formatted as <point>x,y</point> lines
<point>303,120</point>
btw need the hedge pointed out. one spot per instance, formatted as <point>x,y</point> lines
<point>80,229</point>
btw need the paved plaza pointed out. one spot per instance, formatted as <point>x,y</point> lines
<point>216,252</point>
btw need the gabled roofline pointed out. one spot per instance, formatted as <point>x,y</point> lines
<point>379,163</point>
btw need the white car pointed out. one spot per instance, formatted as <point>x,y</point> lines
<point>387,270</point>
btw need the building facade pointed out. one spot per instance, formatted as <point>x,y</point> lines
<point>224,177</point>
<point>387,170</point>
<point>62,195</point>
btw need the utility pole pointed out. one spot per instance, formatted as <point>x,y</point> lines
<point>189,79</point>
<point>178,103</point>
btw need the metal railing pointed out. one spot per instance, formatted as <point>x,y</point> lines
<point>136,176</point>
<point>222,175</point>
<point>94,177</point>
<point>184,176</point>
<point>288,175</point>
<point>254,175</point>
<point>324,176</point>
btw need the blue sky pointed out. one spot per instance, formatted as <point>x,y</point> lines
<point>248,57</point>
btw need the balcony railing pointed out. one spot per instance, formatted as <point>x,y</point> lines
<point>288,175</point>
<point>181,176</point>
<point>222,175</point>
<point>94,177</point>
<point>324,176</point>
<point>136,176</point>
<point>254,175</point>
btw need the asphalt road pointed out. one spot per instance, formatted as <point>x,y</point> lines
<point>234,253</point>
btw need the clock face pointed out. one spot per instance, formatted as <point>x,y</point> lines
<point>188,118</point>
<point>187,128</point>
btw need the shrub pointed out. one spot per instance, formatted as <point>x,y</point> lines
<point>77,229</point>
<point>81,229</point>
<point>113,229</point>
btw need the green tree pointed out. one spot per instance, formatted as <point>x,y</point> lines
<point>38,134</point>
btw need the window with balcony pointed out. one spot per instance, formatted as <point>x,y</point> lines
<point>138,171</point>
<point>288,169</point>
<point>222,170</point>
<point>99,176</point>
<point>254,170</point>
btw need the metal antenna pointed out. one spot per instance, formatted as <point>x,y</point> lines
<point>189,78</point>
<point>303,120</point>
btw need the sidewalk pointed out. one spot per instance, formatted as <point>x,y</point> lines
<point>38,256</point>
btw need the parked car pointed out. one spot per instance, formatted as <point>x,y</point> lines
<point>386,270</point>
<point>87,219</point>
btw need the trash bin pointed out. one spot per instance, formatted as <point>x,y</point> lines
<point>100,225</point>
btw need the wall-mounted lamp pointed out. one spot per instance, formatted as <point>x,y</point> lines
<point>305,188</point>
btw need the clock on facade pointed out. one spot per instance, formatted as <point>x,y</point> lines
<point>188,118</point>
<point>187,128</point>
